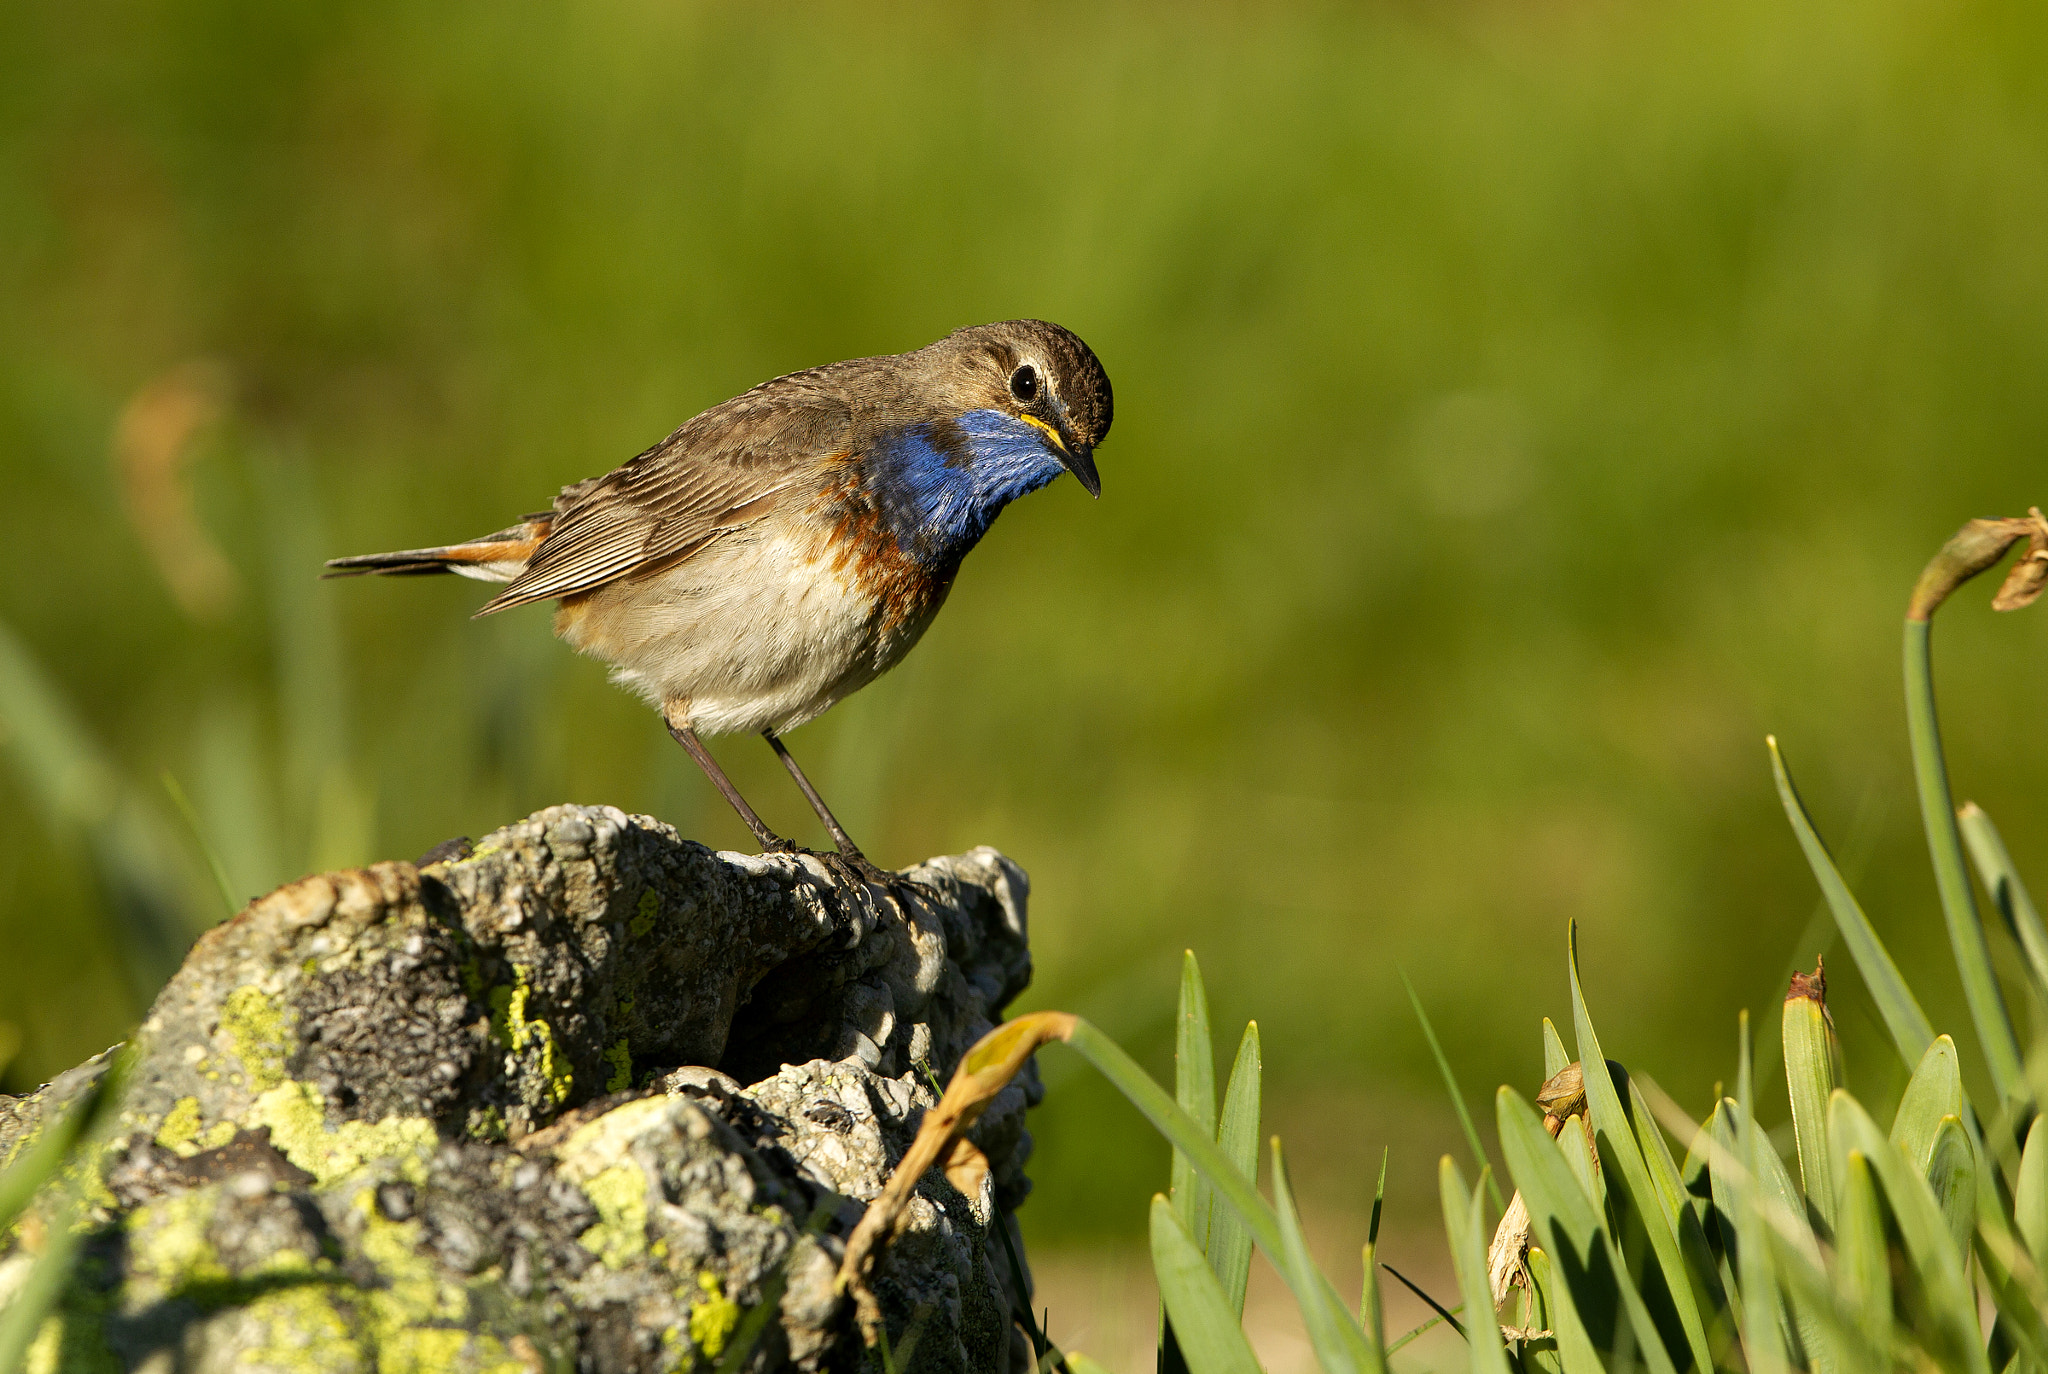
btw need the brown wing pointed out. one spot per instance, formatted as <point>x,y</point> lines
<point>720,472</point>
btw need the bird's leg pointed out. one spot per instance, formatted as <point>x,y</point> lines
<point>687,737</point>
<point>832,825</point>
<point>849,852</point>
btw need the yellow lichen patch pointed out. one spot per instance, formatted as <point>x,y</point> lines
<point>217,1135</point>
<point>256,1028</point>
<point>620,1057</point>
<point>296,1114</point>
<point>643,918</point>
<point>620,1196</point>
<point>303,1330</point>
<point>413,1289</point>
<point>712,1317</point>
<point>167,1240</point>
<point>513,1029</point>
<point>421,1350</point>
<point>415,1316</point>
<point>180,1130</point>
<point>84,1174</point>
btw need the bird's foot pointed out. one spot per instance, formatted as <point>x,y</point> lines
<point>854,869</point>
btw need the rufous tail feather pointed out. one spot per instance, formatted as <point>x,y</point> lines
<point>496,557</point>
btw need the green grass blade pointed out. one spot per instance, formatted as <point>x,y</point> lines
<point>1934,1091</point>
<point>42,1161</point>
<point>1230,1243</point>
<point>1207,1157</point>
<point>1339,1345</point>
<point>1810,1076</point>
<point>1796,1251</point>
<point>1575,1352</point>
<point>1194,1088</point>
<point>1205,1323</point>
<point>1379,1198</point>
<point>335,818</point>
<point>1829,1334</point>
<point>1863,1272</point>
<point>1909,1027</point>
<point>70,780</point>
<point>1372,1317</point>
<point>1616,1135</point>
<point>1949,1326</point>
<point>1700,1266</point>
<point>2014,1280</point>
<point>1952,1177</point>
<point>1563,1221</point>
<point>2002,881</point>
<point>1447,1315</point>
<point>1575,1147</point>
<point>193,824</point>
<point>1463,1225</point>
<point>2001,1048</point>
<point>1763,1333</point>
<point>1656,1152</point>
<point>1430,1323</point>
<point>1556,1058</point>
<point>31,1302</point>
<point>59,1145</point>
<point>2030,1193</point>
<point>1715,1224</point>
<point>1443,1064</point>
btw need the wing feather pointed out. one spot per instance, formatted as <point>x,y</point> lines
<point>722,471</point>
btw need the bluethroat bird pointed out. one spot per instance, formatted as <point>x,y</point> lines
<point>788,547</point>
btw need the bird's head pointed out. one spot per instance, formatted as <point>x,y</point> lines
<point>1037,376</point>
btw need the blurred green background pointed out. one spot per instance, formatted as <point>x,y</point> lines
<point>1521,408</point>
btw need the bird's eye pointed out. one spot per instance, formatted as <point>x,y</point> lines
<point>1024,383</point>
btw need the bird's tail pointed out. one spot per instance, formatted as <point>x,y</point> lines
<point>496,557</point>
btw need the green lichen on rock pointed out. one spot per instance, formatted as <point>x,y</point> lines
<point>619,1054</point>
<point>712,1317</point>
<point>303,1329</point>
<point>168,1246</point>
<point>255,1027</point>
<point>296,1116</point>
<point>643,916</point>
<point>517,1032</point>
<point>181,1131</point>
<point>364,1131</point>
<point>72,1340</point>
<point>620,1196</point>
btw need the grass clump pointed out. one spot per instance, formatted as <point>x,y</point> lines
<point>1913,1244</point>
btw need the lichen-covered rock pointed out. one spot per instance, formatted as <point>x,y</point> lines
<point>586,1098</point>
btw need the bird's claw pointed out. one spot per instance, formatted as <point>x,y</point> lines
<point>855,869</point>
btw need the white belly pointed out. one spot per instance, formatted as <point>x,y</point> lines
<point>754,633</point>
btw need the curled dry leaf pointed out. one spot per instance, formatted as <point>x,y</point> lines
<point>1562,1096</point>
<point>2029,576</point>
<point>1510,1244</point>
<point>1976,547</point>
<point>941,1139</point>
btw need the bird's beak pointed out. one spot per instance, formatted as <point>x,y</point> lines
<point>1075,456</point>
<point>1080,460</point>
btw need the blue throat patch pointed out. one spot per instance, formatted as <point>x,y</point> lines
<point>941,490</point>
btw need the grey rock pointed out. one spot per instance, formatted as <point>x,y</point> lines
<point>576,1098</point>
